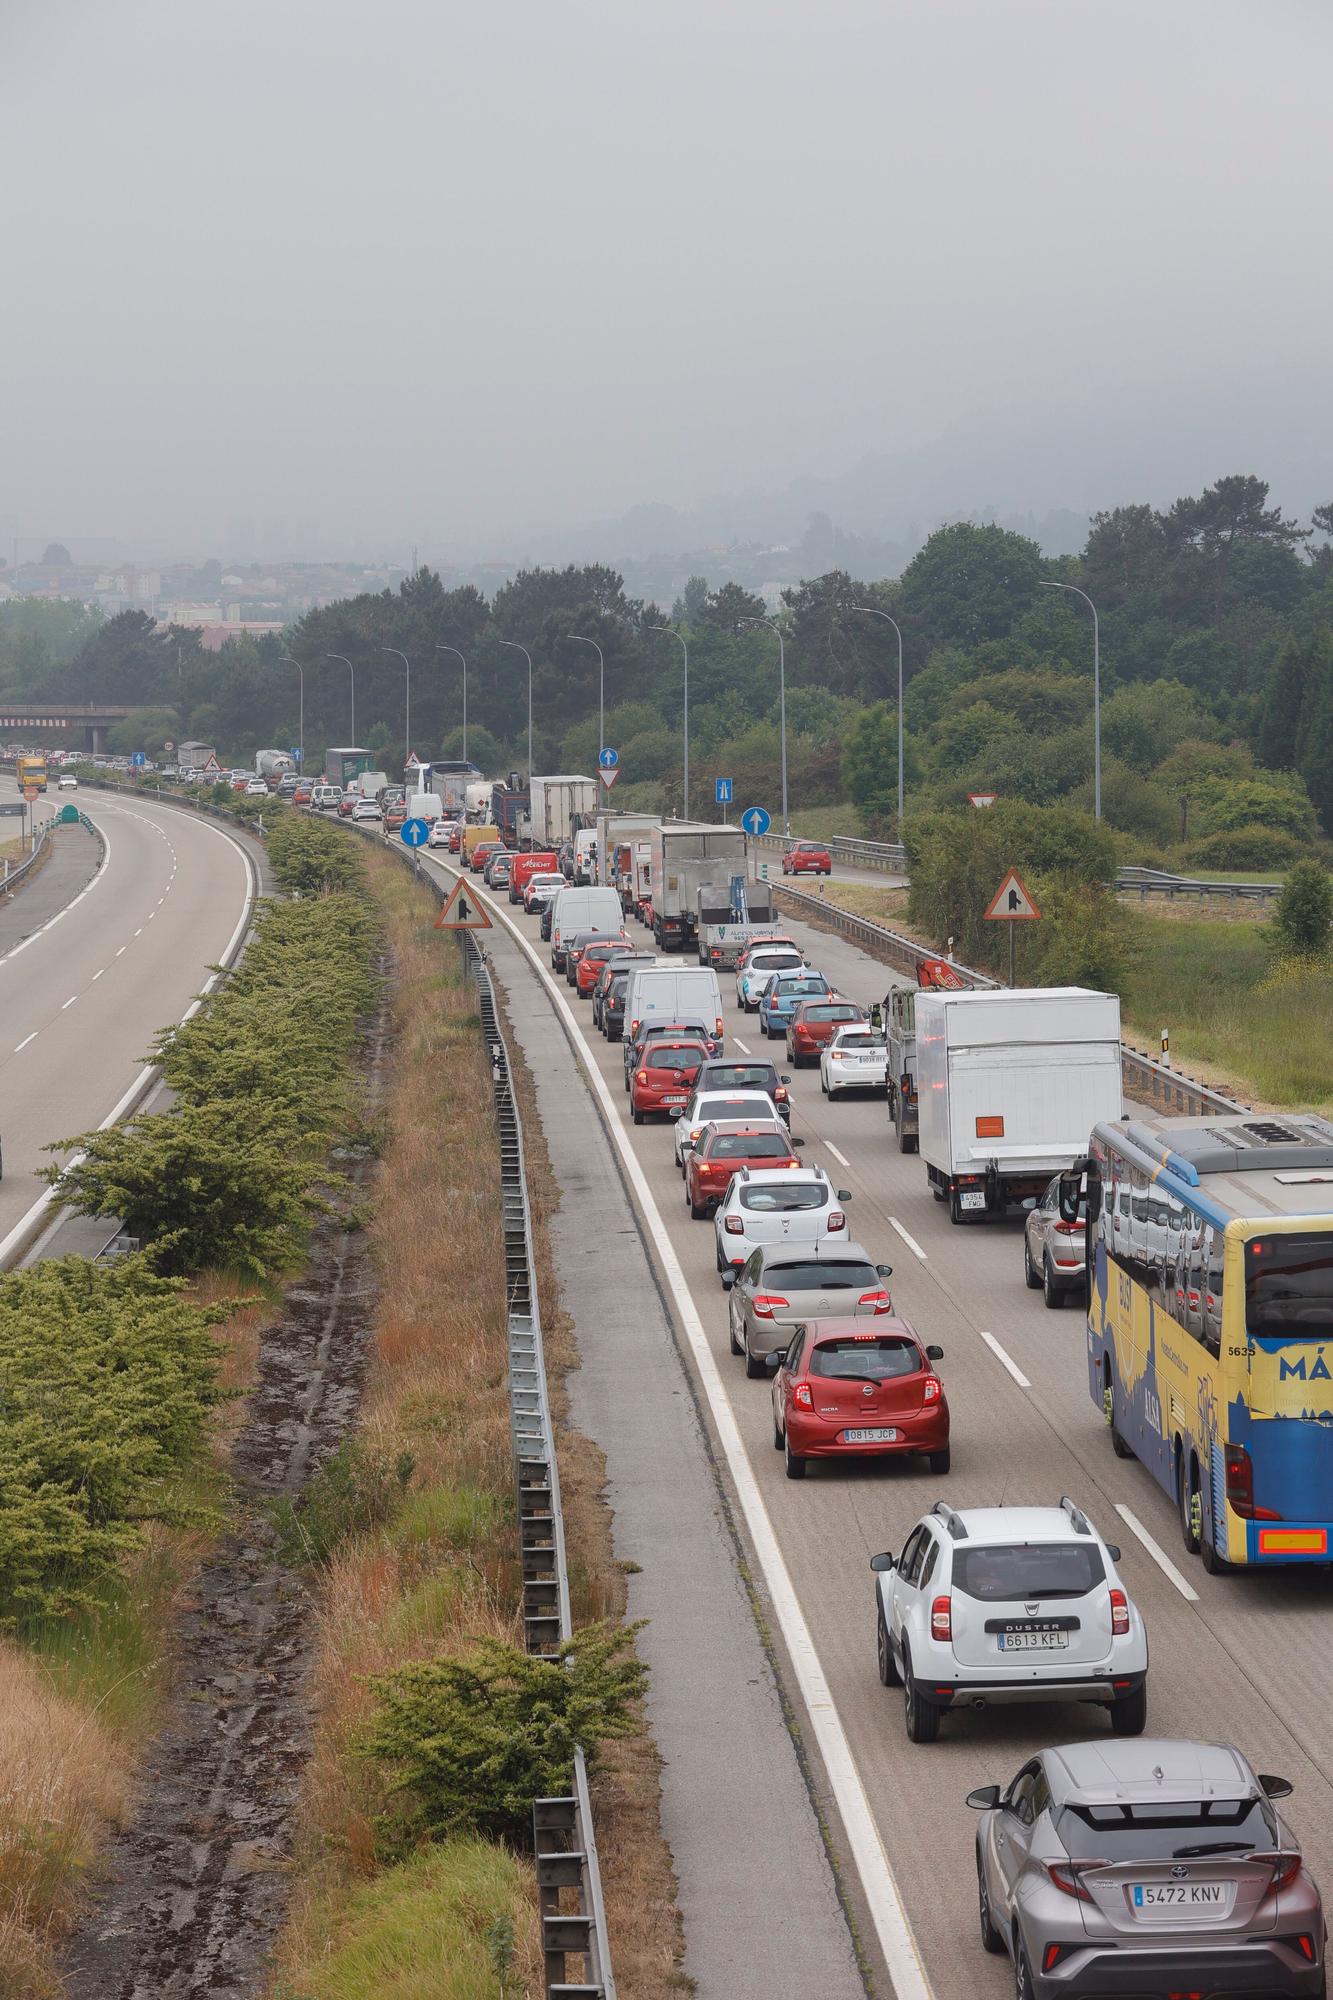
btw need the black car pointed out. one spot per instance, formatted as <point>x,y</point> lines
<point>620,966</point>
<point>728,1073</point>
<point>682,1029</point>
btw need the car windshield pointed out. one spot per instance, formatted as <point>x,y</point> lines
<point>877,1359</point>
<point>832,1012</point>
<point>816,1276</point>
<point>749,1146</point>
<point>742,1076</point>
<point>1289,1284</point>
<point>1166,1829</point>
<point>675,1059</point>
<point>785,1197</point>
<point>815,983</point>
<point>1028,1569</point>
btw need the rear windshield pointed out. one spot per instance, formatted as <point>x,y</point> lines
<point>785,1197</point>
<point>673,1059</point>
<point>749,1146</point>
<point>1289,1284</point>
<point>1028,1569</point>
<point>1167,1829</point>
<point>867,1041</point>
<point>730,1107</point>
<point>773,961</point>
<point>814,984</point>
<point>811,847</point>
<point>877,1360</point>
<point>832,1012</point>
<point>849,1275</point>
<point>742,1076</point>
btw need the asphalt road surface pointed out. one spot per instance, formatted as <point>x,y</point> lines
<point>1243,1657</point>
<point>81,998</point>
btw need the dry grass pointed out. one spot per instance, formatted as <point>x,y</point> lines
<point>863,899</point>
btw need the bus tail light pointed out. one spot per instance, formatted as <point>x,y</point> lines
<point>1240,1486</point>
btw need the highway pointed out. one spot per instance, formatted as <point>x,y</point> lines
<point>1241,1657</point>
<point>80,998</point>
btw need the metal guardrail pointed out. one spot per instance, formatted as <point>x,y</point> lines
<point>1145,1078</point>
<point>842,847</point>
<point>1158,882</point>
<point>13,876</point>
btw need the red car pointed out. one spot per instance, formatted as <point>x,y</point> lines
<point>347,804</point>
<point>301,796</point>
<point>591,963</point>
<point>839,1393</point>
<point>661,1082</point>
<point>815,1023</point>
<point>722,1149</point>
<point>807,858</point>
<point>482,853</point>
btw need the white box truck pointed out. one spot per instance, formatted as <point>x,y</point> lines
<point>684,855</point>
<point>673,993</point>
<point>559,805</point>
<point>1010,1083</point>
<point>617,829</point>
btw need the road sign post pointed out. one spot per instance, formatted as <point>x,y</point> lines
<point>1012,904</point>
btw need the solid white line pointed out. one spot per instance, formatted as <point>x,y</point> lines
<point>910,1241</point>
<point>882,1894</point>
<point>1003,1358</point>
<point>1158,1553</point>
<point>841,1158</point>
<point>744,1049</point>
<point>26,1039</point>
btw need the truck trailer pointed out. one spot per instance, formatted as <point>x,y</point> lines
<point>686,855</point>
<point>560,805</point>
<point>271,765</point>
<point>614,829</point>
<point>723,929</point>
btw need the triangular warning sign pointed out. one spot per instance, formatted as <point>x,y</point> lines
<point>1013,903</point>
<point>608,777</point>
<point>464,911</point>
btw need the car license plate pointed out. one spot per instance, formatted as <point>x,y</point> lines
<point>1177,1895</point>
<point>1031,1642</point>
<point>883,1436</point>
<point>976,1199</point>
<point>673,1100</point>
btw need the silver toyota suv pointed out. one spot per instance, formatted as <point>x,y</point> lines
<point>1147,1867</point>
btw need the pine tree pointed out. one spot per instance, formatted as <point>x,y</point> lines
<point>1283,700</point>
<point>1314,746</point>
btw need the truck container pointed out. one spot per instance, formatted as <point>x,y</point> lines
<point>685,856</point>
<point>560,805</point>
<point>509,810</point>
<point>898,1016</point>
<point>613,830</point>
<point>30,771</point>
<point>729,919</point>
<point>271,765</point>
<point>477,798</point>
<point>1008,1082</point>
<point>450,777</point>
<point>473,836</point>
<point>632,874</point>
<point>341,766</point>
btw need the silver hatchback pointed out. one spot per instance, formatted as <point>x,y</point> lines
<point>1142,1867</point>
<point>781,1285</point>
<point>1054,1261</point>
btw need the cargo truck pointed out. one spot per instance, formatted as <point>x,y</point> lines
<point>1007,1079</point>
<point>560,805</point>
<point>631,874</point>
<point>450,778</point>
<point>509,809</point>
<point>30,770</point>
<point>614,829</point>
<point>685,855</point>
<point>723,929</point>
<point>341,766</point>
<point>899,1019</point>
<point>271,765</point>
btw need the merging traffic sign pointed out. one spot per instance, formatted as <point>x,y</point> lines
<point>464,911</point>
<point>1012,901</point>
<point>414,832</point>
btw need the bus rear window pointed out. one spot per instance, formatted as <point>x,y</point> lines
<point>1289,1284</point>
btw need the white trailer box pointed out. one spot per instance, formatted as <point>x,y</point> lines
<point>615,829</point>
<point>1010,1083</point>
<point>559,804</point>
<point>685,855</point>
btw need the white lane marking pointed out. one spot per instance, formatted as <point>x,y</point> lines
<point>98,975</point>
<point>139,932</point>
<point>1004,1359</point>
<point>68,1003</point>
<point>841,1158</point>
<point>151,915</point>
<point>745,1051</point>
<point>53,921</point>
<point>887,1910</point>
<point>121,950</point>
<point>26,1039</point>
<point>1157,1552</point>
<point>909,1240</point>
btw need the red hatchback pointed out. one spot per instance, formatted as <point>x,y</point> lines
<point>807,858</point>
<point>662,1081</point>
<point>839,1393</point>
<point>815,1023</point>
<point>591,963</point>
<point>482,853</point>
<point>722,1149</point>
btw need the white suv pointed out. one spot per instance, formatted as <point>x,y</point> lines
<point>792,1205</point>
<point>1006,1604</point>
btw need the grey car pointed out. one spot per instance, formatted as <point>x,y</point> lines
<point>1146,1866</point>
<point>1054,1258</point>
<point>780,1286</point>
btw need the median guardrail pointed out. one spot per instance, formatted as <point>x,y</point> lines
<point>13,876</point>
<point>1158,882</point>
<point>1145,1078</point>
<point>842,847</point>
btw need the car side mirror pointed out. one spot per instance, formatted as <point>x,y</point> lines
<point>1275,1788</point>
<point>774,1361</point>
<point>1071,1187</point>
<point>843,1194</point>
<point>783,1079</point>
<point>1113,1552</point>
<point>934,1354</point>
<point>985,1798</point>
<point>881,1564</point>
<point>686,1145</point>
<point>1030,1203</point>
<point>729,1278</point>
<point>798,1143</point>
<point>884,1270</point>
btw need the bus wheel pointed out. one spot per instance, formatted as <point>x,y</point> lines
<point>1191,1508</point>
<point>1118,1445</point>
<point>1212,1561</point>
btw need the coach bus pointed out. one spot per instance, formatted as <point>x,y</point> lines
<point>1210,1322</point>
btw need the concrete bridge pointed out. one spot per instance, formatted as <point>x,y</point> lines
<point>33,723</point>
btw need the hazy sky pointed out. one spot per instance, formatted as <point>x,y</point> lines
<point>424,269</point>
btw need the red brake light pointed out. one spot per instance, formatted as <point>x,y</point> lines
<point>1065,1878</point>
<point>734,1226</point>
<point>642,1076</point>
<point>802,1397</point>
<point>765,1302</point>
<point>703,1166</point>
<point>780,1094</point>
<point>837,1220</point>
<point>879,1300</point>
<point>719,1030</point>
<point>932,1389</point>
<point>1119,1614</point>
<point>941,1619</point>
<point>1240,1485</point>
<point>1286,1867</point>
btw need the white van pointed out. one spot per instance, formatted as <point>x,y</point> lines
<point>672,993</point>
<point>425,805</point>
<point>585,854</point>
<point>583,909</point>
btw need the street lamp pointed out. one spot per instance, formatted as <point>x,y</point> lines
<point>352,671</point>
<point>685,808</point>
<point>773,626</point>
<point>515,647</point>
<point>440,647</point>
<point>601,692</point>
<point>407,714</point>
<point>1047,584</point>
<point>873,611</point>
<point>301,671</point>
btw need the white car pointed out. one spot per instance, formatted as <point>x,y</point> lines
<point>256,789</point>
<point>856,1059</point>
<point>1008,1604</point>
<point>68,783</point>
<point>705,1105</point>
<point>759,968</point>
<point>440,832</point>
<point>366,809</point>
<point>762,1205</point>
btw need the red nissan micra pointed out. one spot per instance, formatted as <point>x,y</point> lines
<point>662,1081</point>
<point>840,1392</point>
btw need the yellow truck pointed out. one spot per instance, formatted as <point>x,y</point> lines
<point>31,772</point>
<point>473,837</point>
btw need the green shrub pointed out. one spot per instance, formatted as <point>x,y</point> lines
<point>1245,847</point>
<point>310,859</point>
<point>356,1489</point>
<point>1304,914</point>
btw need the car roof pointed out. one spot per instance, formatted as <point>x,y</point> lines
<point>1147,1767</point>
<point>1006,1525</point>
<point>867,1330</point>
<point>783,1176</point>
<point>823,1248</point>
<point>746,1127</point>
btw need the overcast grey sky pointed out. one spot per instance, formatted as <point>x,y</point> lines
<point>426,269</point>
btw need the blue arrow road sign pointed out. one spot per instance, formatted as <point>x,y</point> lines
<point>722,791</point>
<point>608,758</point>
<point>295,753</point>
<point>415,832</point>
<point>755,820</point>
<point>138,760</point>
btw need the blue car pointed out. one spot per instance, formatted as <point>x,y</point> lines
<point>784,994</point>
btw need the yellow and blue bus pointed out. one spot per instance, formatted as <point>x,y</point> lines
<point>1210,1323</point>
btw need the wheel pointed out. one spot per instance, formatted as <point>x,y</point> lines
<point>732,1341</point>
<point>888,1671</point>
<point>1215,1564</point>
<point>922,1717</point>
<point>754,1366</point>
<point>938,1461</point>
<point>696,1214</point>
<point>907,1142</point>
<point>1022,1972</point>
<point>991,1939</point>
<point>795,1466</point>
<point>1030,1278</point>
<point>823,1081</point>
<point>1191,1511</point>
<point>777,1434</point>
<point>636,1115</point>
<point>1129,1715</point>
<point>1052,1296</point>
<point>1118,1445</point>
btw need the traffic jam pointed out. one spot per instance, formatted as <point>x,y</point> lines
<point>1121,1864</point>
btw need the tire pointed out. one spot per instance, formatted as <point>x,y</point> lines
<point>1051,1294</point>
<point>888,1667</point>
<point>732,1341</point>
<point>1030,1278</point>
<point>697,1214</point>
<point>822,1084</point>
<point>938,1462</point>
<point>1186,1496</point>
<point>991,1939</point>
<point>795,1467</point>
<point>922,1718</point>
<point>1213,1563</point>
<point>907,1142</point>
<point>777,1436</point>
<point>1129,1715</point>
<point>754,1368</point>
<point>1118,1445</point>
<point>1023,1989</point>
<point>636,1114</point>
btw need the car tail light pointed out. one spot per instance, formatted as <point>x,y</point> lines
<point>878,1299</point>
<point>1240,1485</point>
<point>1286,1867</point>
<point>802,1396</point>
<point>1065,1877</point>
<point>642,1076</point>
<point>734,1226</point>
<point>780,1094</point>
<point>941,1619</point>
<point>932,1389</point>
<point>633,1029</point>
<point>1119,1614</point>
<point>703,1167</point>
<point>1069,1228</point>
<point>837,1220</point>
<point>720,1029</point>
<point>766,1303</point>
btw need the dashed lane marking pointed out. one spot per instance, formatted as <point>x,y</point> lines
<point>1004,1359</point>
<point>26,1039</point>
<point>742,1046</point>
<point>909,1240</point>
<point>1157,1552</point>
<point>841,1158</point>
<point>68,1003</point>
